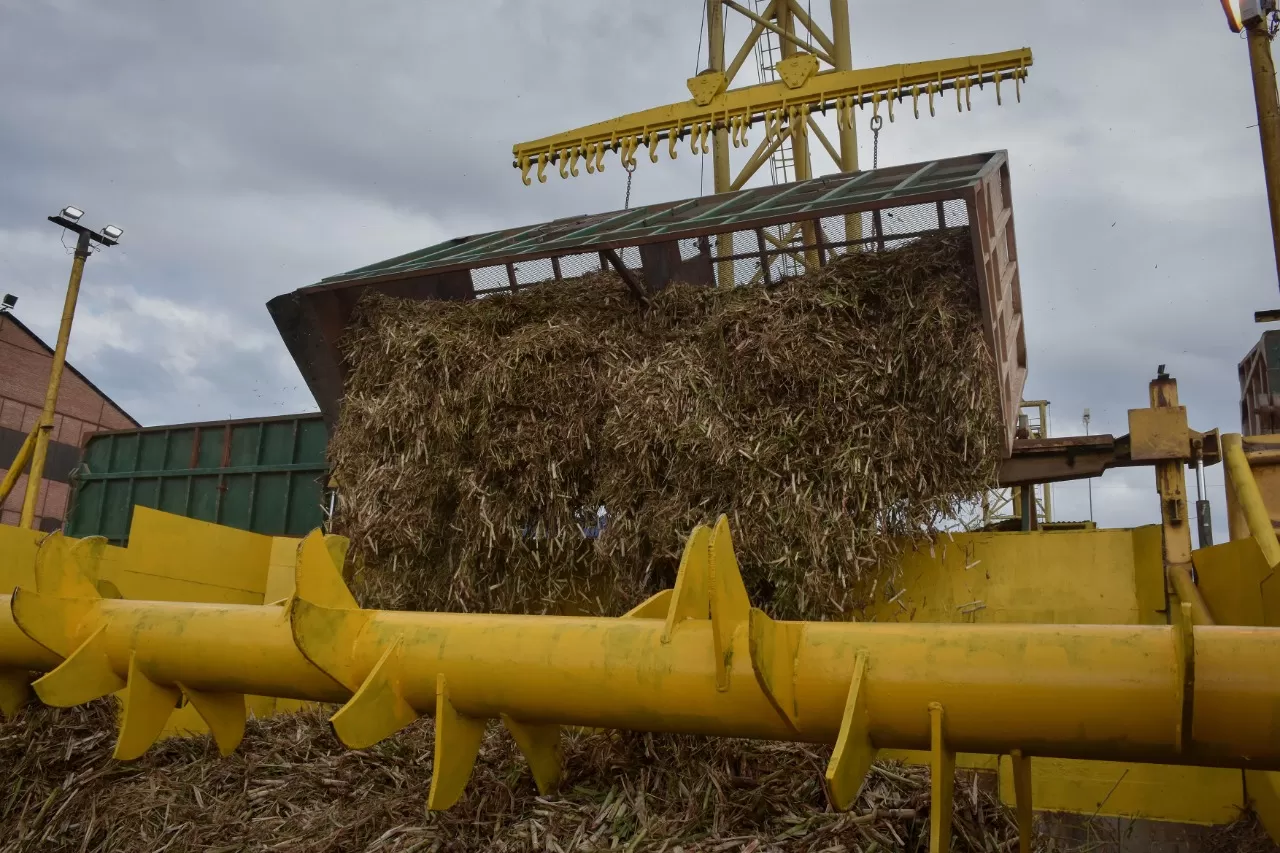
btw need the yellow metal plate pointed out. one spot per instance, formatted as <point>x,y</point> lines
<point>178,548</point>
<point>1203,795</point>
<point>1156,434</point>
<point>1064,577</point>
<point>1231,578</point>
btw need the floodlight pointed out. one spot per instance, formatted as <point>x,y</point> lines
<point>1243,12</point>
<point>72,213</point>
<point>112,232</point>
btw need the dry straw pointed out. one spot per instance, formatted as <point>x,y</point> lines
<point>829,417</point>
<point>292,788</point>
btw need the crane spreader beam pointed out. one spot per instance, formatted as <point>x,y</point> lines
<point>780,105</point>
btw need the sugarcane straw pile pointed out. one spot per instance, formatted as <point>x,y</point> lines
<point>291,787</point>
<point>830,417</point>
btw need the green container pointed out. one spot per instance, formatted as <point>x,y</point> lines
<point>267,475</point>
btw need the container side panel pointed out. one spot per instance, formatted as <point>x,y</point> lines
<point>313,441</point>
<point>211,445</point>
<point>151,453</point>
<point>146,492</point>
<point>178,456</point>
<point>237,494</point>
<point>277,442</point>
<point>305,512</point>
<point>124,453</point>
<point>271,504</point>
<point>204,498</point>
<point>118,509</point>
<point>244,444</point>
<point>97,453</point>
<point>86,509</point>
<point>173,495</point>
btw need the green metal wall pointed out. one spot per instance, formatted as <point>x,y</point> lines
<point>266,475</point>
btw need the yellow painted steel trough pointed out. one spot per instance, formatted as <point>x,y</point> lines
<point>696,659</point>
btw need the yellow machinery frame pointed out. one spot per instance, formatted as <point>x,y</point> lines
<point>1175,688</point>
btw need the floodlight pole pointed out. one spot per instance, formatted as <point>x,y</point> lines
<point>1268,106</point>
<point>44,427</point>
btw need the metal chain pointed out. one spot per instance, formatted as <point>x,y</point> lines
<point>876,123</point>
<point>630,166</point>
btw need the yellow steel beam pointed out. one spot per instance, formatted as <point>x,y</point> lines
<point>818,35</point>
<point>763,152</point>
<point>826,143</point>
<point>787,34</point>
<point>748,45</point>
<point>698,659</point>
<point>774,103</point>
<point>1250,498</point>
<point>1267,102</point>
<point>44,426</point>
<point>17,466</point>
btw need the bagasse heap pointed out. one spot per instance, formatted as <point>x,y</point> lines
<point>292,788</point>
<point>829,416</point>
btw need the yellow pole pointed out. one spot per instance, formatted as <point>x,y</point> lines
<point>799,137</point>
<point>721,179</point>
<point>843,56</point>
<point>44,428</point>
<point>1249,497</point>
<point>1068,691</point>
<point>1171,484</point>
<point>17,467</point>
<point>1268,106</point>
<point>696,659</point>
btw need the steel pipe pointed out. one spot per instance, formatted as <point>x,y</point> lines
<point>1249,498</point>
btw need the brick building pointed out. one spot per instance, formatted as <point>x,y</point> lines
<point>82,409</point>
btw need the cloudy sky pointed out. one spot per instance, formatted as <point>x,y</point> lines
<point>250,148</point>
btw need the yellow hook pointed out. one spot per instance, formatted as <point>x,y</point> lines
<point>929,87</point>
<point>542,167</point>
<point>591,157</point>
<point>673,136</point>
<point>875,104</point>
<point>889,101</point>
<point>999,102</point>
<point>563,157</point>
<point>600,149</point>
<point>915,100</point>
<point>1017,82</point>
<point>525,163</point>
<point>573,160</point>
<point>968,88</point>
<point>653,146</point>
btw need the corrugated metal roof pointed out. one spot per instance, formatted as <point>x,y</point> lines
<point>745,209</point>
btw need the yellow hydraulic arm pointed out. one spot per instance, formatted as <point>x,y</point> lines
<point>779,105</point>
<point>697,658</point>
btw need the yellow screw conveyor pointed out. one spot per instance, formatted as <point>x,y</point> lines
<point>695,659</point>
